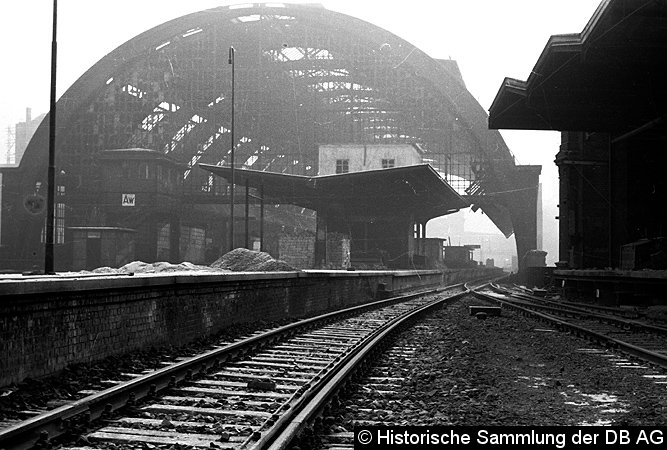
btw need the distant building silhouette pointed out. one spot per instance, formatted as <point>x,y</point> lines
<point>22,133</point>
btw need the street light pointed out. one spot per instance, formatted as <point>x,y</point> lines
<point>51,174</point>
<point>231,202</point>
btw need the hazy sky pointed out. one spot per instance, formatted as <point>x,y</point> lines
<point>490,40</point>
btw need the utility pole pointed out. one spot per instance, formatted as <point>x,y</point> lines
<point>231,201</point>
<point>51,192</point>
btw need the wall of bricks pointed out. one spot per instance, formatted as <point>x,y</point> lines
<point>297,250</point>
<point>46,324</point>
<point>338,251</point>
<point>117,247</point>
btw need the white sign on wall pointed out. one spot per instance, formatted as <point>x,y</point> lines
<point>128,200</point>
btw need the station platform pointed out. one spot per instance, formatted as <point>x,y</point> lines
<point>396,280</point>
<point>613,287</point>
<point>48,322</point>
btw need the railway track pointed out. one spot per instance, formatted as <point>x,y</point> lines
<point>521,292</point>
<point>391,393</point>
<point>253,394</point>
<point>377,397</point>
<point>634,337</point>
<point>623,318</point>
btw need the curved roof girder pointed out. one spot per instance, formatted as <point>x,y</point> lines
<point>341,30</point>
<point>98,74</point>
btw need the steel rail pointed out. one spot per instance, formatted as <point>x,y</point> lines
<point>320,394</point>
<point>527,293</point>
<point>583,312</point>
<point>38,430</point>
<point>626,347</point>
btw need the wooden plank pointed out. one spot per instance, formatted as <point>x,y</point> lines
<point>240,384</point>
<point>301,361</point>
<point>229,393</point>
<point>324,336</point>
<point>345,329</point>
<point>216,401</point>
<point>269,372</point>
<point>253,377</point>
<point>266,362</point>
<point>209,437</point>
<point>323,349</point>
<point>341,332</point>
<point>295,355</point>
<point>181,424</point>
<point>320,342</point>
<point>133,438</point>
<point>174,409</point>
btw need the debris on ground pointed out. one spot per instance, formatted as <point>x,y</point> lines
<point>157,267</point>
<point>244,260</point>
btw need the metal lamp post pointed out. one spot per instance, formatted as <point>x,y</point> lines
<point>231,202</point>
<point>51,192</point>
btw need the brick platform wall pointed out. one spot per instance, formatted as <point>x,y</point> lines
<point>47,324</point>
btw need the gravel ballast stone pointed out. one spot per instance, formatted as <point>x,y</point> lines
<point>511,370</point>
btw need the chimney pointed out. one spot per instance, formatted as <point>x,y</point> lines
<point>28,115</point>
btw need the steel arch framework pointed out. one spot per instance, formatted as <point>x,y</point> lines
<point>304,76</point>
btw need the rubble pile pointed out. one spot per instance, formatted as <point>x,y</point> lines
<point>244,260</point>
<point>157,267</point>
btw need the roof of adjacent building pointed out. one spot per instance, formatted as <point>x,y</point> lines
<point>609,77</point>
<point>417,191</point>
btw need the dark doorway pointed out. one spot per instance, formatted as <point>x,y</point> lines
<point>93,252</point>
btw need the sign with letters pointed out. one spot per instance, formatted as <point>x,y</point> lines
<point>128,200</point>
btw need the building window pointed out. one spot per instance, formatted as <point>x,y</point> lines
<point>58,219</point>
<point>342,165</point>
<point>143,171</point>
<point>163,241</point>
<point>125,169</point>
<point>59,233</point>
<point>209,184</point>
<point>192,243</point>
<point>388,163</point>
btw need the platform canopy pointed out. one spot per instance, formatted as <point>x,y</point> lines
<point>608,78</point>
<point>416,191</point>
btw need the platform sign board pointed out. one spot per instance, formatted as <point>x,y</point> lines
<point>128,200</point>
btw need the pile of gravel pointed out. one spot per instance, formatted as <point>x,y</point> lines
<point>238,260</point>
<point>244,260</point>
<point>511,370</point>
